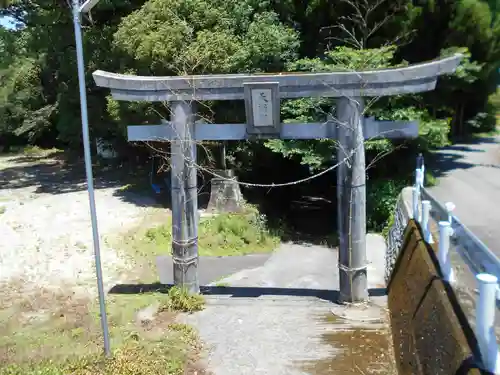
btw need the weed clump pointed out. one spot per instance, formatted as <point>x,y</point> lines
<point>179,299</point>
<point>220,235</point>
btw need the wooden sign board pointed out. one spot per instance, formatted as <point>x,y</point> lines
<point>262,107</point>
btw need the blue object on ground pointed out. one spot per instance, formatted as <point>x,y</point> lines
<point>156,188</point>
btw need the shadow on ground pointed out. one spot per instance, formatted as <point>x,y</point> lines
<point>453,157</point>
<point>305,213</point>
<point>474,139</point>
<point>242,292</point>
<point>59,173</point>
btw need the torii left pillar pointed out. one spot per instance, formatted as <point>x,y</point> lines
<point>184,197</point>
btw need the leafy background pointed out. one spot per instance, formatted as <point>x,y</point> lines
<point>39,103</point>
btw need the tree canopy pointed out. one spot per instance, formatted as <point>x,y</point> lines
<point>39,100</point>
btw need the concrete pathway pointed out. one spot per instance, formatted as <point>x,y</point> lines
<point>469,176</point>
<point>280,318</point>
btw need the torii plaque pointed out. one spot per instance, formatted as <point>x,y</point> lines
<point>262,94</point>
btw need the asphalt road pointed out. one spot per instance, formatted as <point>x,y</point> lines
<point>469,176</point>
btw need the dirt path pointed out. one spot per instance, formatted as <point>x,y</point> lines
<point>45,225</point>
<point>281,318</point>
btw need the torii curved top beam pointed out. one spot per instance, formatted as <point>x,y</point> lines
<point>411,79</point>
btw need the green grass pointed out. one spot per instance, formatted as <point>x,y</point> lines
<point>430,179</point>
<point>56,333</point>
<point>33,151</point>
<point>66,337</point>
<point>37,151</point>
<point>181,300</point>
<point>491,133</point>
<point>225,234</point>
<point>220,282</point>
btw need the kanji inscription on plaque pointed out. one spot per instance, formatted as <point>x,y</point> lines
<point>262,107</point>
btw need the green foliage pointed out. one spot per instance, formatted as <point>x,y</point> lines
<point>318,153</point>
<point>134,358</point>
<point>224,234</point>
<point>39,99</point>
<point>381,197</point>
<point>433,133</point>
<point>311,153</point>
<point>179,299</point>
<point>470,24</point>
<point>235,234</point>
<point>23,110</point>
<point>69,340</point>
<point>348,59</point>
<point>468,71</point>
<point>199,36</point>
<point>494,100</point>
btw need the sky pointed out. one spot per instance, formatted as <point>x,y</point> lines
<point>6,22</point>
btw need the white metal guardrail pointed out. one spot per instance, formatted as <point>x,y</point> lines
<point>480,260</point>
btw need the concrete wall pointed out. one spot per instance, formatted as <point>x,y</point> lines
<point>430,331</point>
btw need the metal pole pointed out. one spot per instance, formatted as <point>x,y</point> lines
<point>485,321</point>
<point>444,251</point>
<point>415,200</point>
<point>420,163</point>
<point>351,193</point>
<point>88,170</point>
<point>419,178</point>
<point>184,198</point>
<point>426,212</point>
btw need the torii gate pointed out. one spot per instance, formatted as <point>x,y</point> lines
<point>262,94</point>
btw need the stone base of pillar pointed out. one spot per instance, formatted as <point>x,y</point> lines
<point>225,193</point>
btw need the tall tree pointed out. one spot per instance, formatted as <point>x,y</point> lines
<point>446,24</point>
<point>49,107</point>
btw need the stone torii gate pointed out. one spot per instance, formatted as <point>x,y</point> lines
<point>262,94</point>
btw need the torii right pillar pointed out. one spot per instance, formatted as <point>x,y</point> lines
<point>351,200</point>
<point>351,173</point>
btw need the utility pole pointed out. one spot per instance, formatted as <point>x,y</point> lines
<point>77,12</point>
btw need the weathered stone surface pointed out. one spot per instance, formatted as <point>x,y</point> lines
<point>225,194</point>
<point>412,275</point>
<point>430,331</point>
<point>441,344</point>
<point>429,69</point>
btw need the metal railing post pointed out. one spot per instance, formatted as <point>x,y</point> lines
<point>421,163</point>
<point>485,322</point>
<point>416,198</point>
<point>417,213</point>
<point>419,178</point>
<point>426,210</point>
<point>443,251</point>
<point>450,207</point>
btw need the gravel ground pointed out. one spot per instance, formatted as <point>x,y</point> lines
<point>279,318</point>
<point>47,236</point>
<point>282,322</point>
